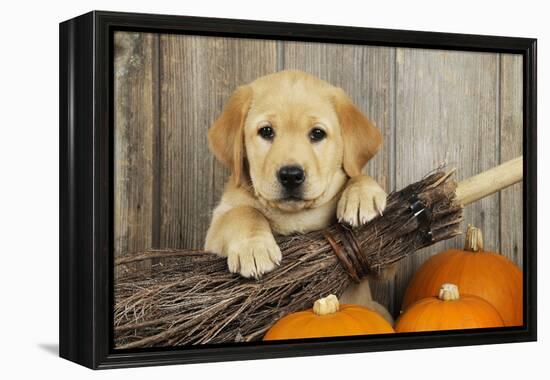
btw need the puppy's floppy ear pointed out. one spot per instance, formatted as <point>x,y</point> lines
<point>361,138</point>
<point>226,137</point>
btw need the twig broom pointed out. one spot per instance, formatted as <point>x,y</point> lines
<point>189,297</point>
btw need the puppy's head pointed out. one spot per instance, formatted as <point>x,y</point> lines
<point>293,136</point>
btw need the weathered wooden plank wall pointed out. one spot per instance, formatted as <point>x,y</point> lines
<point>135,89</point>
<point>511,145</point>
<point>431,106</point>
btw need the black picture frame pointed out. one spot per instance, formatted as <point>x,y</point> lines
<point>86,201</point>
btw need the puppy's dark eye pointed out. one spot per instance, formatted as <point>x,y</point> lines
<point>317,134</point>
<point>267,133</point>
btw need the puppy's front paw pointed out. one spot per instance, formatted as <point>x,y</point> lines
<point>362,200</point>
<point>253,256</point>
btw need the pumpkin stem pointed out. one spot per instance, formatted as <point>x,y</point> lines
<point>326,305</point>
<point>474,239</point>
<point>449,292</point>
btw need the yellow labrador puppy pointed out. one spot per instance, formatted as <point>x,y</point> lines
<point>295,146</point>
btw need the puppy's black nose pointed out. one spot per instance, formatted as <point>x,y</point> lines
<point>291,176</point>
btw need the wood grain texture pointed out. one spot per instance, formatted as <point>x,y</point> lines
<point>447,110</point>
<point>198,74</point>
<point>366,73</point>
<point>511,145</point>
<point>134,131</point>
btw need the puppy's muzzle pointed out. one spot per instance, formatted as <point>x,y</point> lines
<point>291,177</point>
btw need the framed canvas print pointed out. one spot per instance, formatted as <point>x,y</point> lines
<point>238,189</point>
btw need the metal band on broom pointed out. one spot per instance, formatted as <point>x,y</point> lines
<point>190,297</point>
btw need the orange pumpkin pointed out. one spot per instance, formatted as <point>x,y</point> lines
<point>328,319</point>
<point>449,311</point>
<point>484,274</point>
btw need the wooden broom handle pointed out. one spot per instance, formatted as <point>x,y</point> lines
<point>490,181</point>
